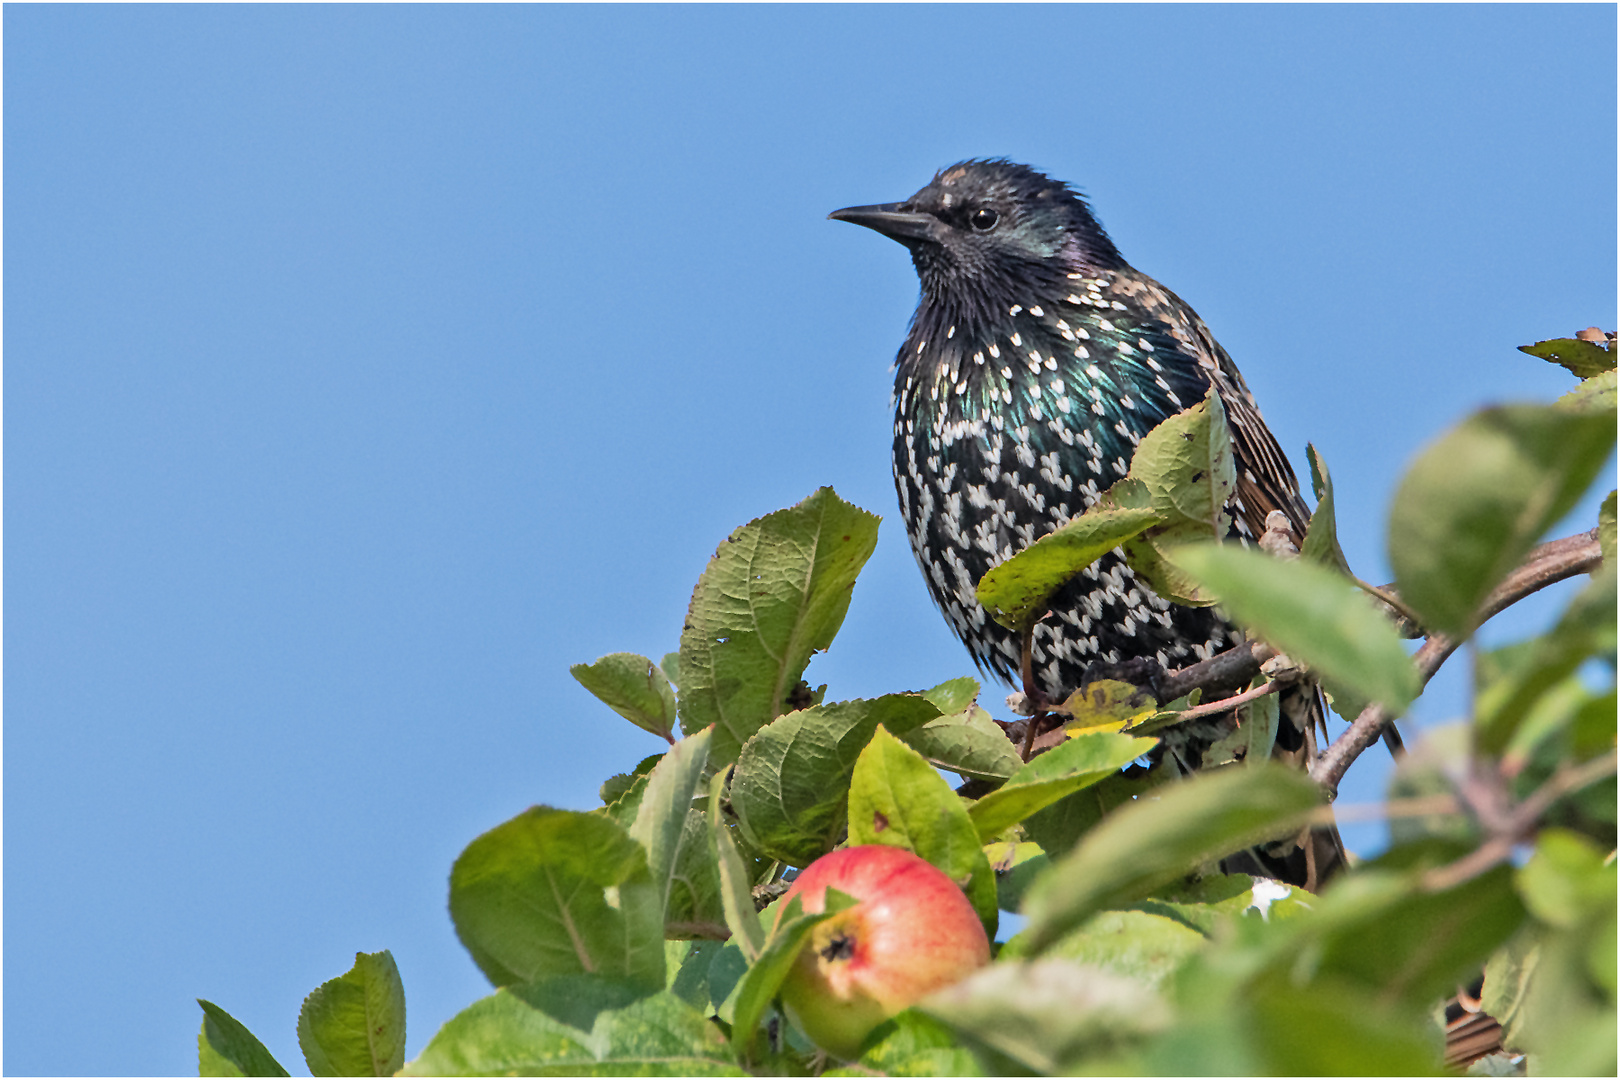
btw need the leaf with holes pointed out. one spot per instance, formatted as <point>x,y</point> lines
<point>775,592</point>
<point>791,787</point>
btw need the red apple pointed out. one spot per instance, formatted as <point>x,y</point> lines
<point>912,933</point>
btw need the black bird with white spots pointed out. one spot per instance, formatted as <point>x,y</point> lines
<point>1036,361</point>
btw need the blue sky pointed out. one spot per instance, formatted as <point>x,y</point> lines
<point>367,366</point>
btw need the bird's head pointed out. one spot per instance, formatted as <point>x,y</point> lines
<point>988,233</point>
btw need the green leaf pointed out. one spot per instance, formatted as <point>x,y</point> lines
<point>1019,591</point>
<point>226,1048</point>
<point>736,892</point>
<point>954,695</point>
<point>1381,930</point>
<point>1203,904</point>
<point>1048,1016</point>
<point>577,1026</point>
<point>912,1044</point>
<point>617,786</point>
<point>1151,843</point>
<point>1278,1028</point>
<point>1475,501</point>
<point>1321,536</point>
<point>968,743</point>
<point>1311,613</point>
<point>791,788</point>
<point>633,687</point>
<point>1187,465</point>
<point>704,973</point>
<point>1144,946</point>
<point>1582,359</point>
<point>1060,826</point>
<point>695,907</point>
<point>896,798</point>
<point>1077,762</point>
<point>661,824</point>
<point>530,900</point>
<point>1594,395</point>
<point>1568,881</point>
<point>354,1025</point>
<point>1016,866</point>
<point>1151,556</point>
<point>775,592</point>
<point>758,987</point>
<point>670,665</point>
<point>1513,679</point>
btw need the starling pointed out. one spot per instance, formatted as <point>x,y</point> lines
<point>1036,361</point>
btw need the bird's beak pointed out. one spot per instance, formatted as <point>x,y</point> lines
<point>906,226</point>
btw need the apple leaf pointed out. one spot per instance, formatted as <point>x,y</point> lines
<point>1187,466</point>
<point>1140,945</point>
<point>1150,843</point>
<point>896,798</point>
<point>791,787</point>
<point>578,1025</point>
<point>775,593</point>
<point>765,976</point>
<point>1311,613</point>
<point>953,695</point>
<point>1016,866</point>
<point>529,900</point>
<point>1594,395</point>
<point>1060,826</point>
<point>1075,763</point>
<point>1568,881</point>
<point>736,892</point>
<point>1321,543</point>
<point>226,1048</point>
<point>1476,499</point>
<point>704,973</point>
<point>354,1025</point>
<point>661,824</point>
<point>1513,679</point>
<point>1049,1017</point>
<point>634,687</point>
<point>912,1044</point>
<point>1018,591</point>
<point>967,743</point>
<point>1107,705</point>
<point>1582,359</point>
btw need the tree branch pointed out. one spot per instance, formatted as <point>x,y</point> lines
<point>1549,563</point>
<point>1520,823</point>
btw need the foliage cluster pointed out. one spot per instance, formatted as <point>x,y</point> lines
<point>631,939</point>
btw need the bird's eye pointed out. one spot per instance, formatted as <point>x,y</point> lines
<point>984,219</point>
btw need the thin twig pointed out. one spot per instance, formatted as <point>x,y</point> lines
<point>1521,822</point>
<point>1227,704</point>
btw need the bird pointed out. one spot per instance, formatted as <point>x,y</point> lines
<point>1035,362</point>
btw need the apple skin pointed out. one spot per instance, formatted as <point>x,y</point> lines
<point>912,933</point>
